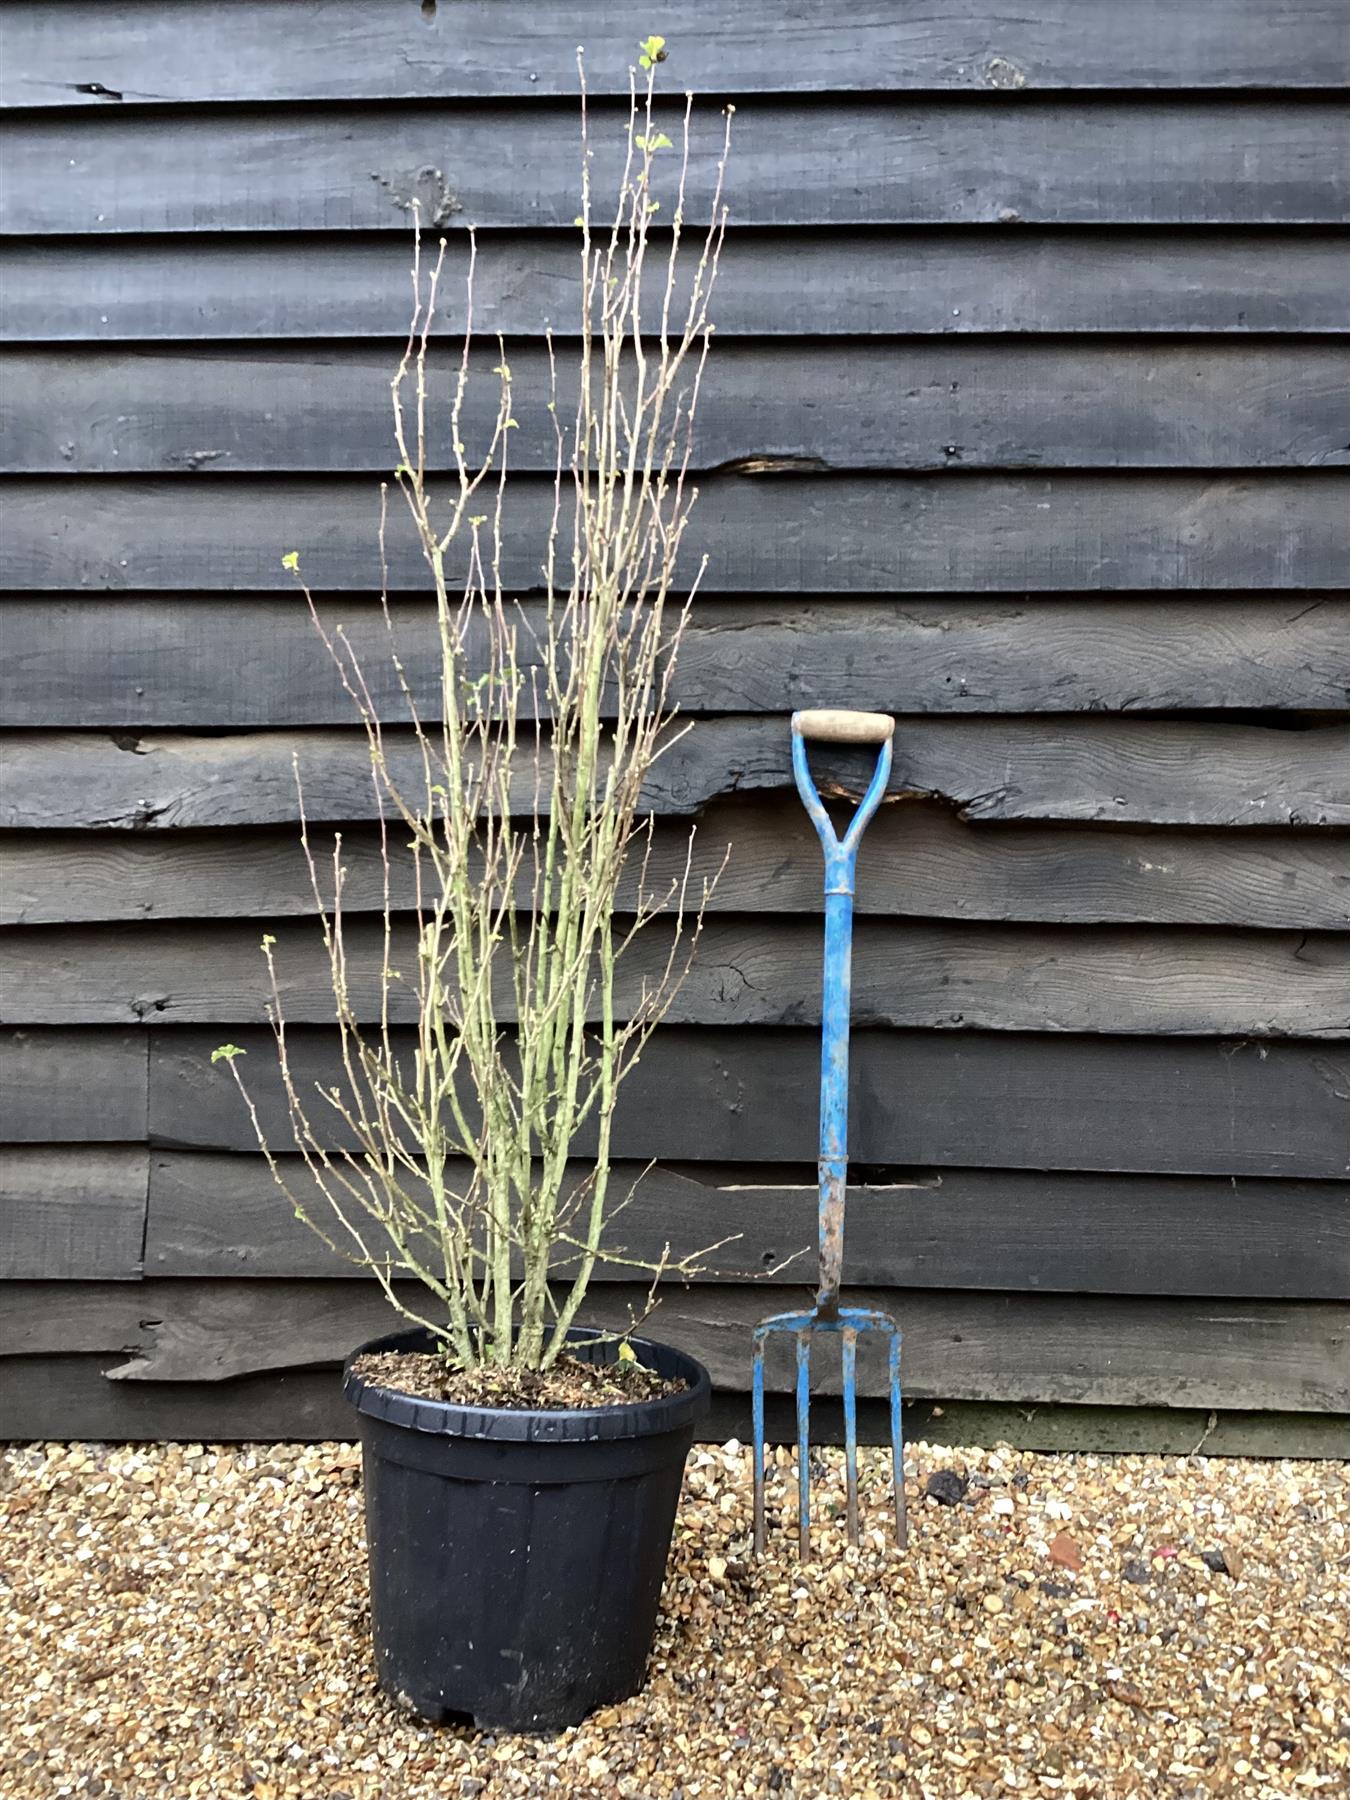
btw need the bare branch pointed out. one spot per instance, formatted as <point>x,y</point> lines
<point>524,813</point>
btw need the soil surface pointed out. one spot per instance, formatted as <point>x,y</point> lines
<point>569,1386</point>
<point>189,1622</point>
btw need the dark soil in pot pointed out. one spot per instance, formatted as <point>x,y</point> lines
<point>517,1554</point>
<point>569,1384</point>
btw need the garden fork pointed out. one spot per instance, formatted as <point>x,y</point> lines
<point>828,1316</point>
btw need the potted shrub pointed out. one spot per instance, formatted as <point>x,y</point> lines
<point>521,1469</point>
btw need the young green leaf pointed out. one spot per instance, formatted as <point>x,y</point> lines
<point>227,1053</point>
<point>653,51</point>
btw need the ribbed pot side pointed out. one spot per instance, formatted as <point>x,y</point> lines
<point>516,1557</point>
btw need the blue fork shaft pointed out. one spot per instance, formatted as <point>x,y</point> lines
<point>833,1167</point>
<point>827,1317</point>
<point>898,1446</point>
<point>757,1428</point>
<point>850,1370</point>
<point>841,859</point>
<point>804,1445</point>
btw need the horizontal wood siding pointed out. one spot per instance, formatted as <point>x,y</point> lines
<point>307,1404</point>
<point>277,50</point>
<point>1035,1101</point>
<point>77,1212</point>
<point>922,861</point>
<point>1091,1351</point>
<point>1038,161</point>
<point>132,662</point>
<point>894,404</point>
<point>1026,422</point>
<point>780,533</point>
<point>1091,769</point>
<point>211,1213</point>
<point>773,284</point>
<point>749,971</point>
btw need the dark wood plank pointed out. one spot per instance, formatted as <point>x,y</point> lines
<point>862,283</point>
<point>1098,1350</point>
<point>850,162</point>
<point>1171,1106</point>
<point>73,1213</point>
<point>260,662</point>
<point>218,1215</point>
<point>907,404</point>
<point>73,1087</point>
<point>1128,771</point>
<point>63,1397</point>
<point>946,533</point>
<point>748,971</point>
<point>921,861</point>
<point>56,1398</point>
<point>151,52</point>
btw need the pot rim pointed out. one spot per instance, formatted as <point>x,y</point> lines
<point>446,1418</point>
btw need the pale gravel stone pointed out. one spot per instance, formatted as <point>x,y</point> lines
<point>188,1622</point>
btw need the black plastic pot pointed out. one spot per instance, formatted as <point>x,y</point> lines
<point>516,1558</point>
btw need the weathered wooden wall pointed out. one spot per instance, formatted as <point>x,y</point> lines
<point>1028,421</point>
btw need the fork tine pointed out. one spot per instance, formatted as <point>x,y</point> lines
<point>898,1446</point>
<point>804,1444</point>
<point>757,1414</point>
<point>850,1361</point>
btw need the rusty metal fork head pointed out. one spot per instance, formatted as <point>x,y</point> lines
<point>847,1323</point>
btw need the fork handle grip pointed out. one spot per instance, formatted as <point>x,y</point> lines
<point>836,725</point>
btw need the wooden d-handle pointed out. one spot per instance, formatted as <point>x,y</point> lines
<point>834,725</point>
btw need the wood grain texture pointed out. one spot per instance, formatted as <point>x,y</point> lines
<point>908,404</point>
<point>948,533</point>
<point>74,1087</point>
<point>73,1213</point>
<point>748,971</point>
<point>220,1215</point>
<point>152,52</point>
<point>256,661</point>
<point>771,284</point>
<point>1171,1106</point>
<point>1128,161</point>
<point>1098,1350</point>
<point>921,860</point>
<point>1102,973</point>
<point>306,1405</point>
<point>1128,771</point>
<point>71,1397</point>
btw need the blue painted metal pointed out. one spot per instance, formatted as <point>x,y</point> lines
<point>828,1316</point>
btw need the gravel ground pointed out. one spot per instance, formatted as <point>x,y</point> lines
<point>191,1621</point>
